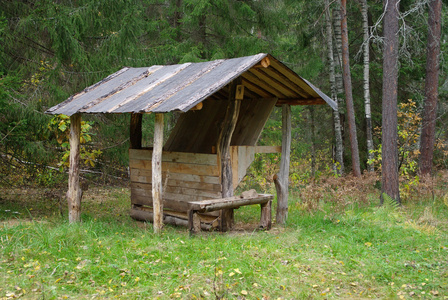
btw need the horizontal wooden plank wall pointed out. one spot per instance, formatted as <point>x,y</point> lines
<point>185,177</point>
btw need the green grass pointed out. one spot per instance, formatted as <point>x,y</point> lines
<point>358,251</point>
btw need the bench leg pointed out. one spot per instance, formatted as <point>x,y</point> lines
<point>194,222</point>
<point>266,218</point>
<point>226,222</point>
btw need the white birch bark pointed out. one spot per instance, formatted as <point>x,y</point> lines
<point>366,59</point>
<point>339,153</point>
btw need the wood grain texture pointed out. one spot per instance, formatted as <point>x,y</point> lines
<point>74,192</point>
<point>229,202</point>
<point>145,176</point>
<point>223,147</point>
<point>147,188</point>
<point>252,118</point>
<point>173,167</point>
<point>281,180</point>
<point>157,174</point>
<point>197,131</point>
<point>178,157</point>
<point>266,215</point>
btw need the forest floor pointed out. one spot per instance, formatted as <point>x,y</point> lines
<point>335,246</point>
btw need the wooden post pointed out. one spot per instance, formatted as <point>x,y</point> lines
<point>281,180</point>
<point>265,218</point>
<point>74,192</point>
<point>157,174</point>
<point>225,137</point>
<point>194,221</point>
<point>135,131</point>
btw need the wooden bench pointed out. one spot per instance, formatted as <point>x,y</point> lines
<point>195,207</point>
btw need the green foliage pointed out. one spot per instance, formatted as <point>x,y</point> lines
<point>60,127</point>
<point>389,202</point>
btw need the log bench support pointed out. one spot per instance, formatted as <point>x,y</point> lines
<point>196,207</point>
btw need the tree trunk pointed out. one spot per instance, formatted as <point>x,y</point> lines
<point>281,180</point>
<point>390,184</point>
<point>202,32</point>
<point>178,18</point>
<point>338,48</point>
<point>74,193</point>
<point>224,139</point>
<point>348,93</point>
<point>338,73</point>
<point>339,155</point>
<point>313,142</point>
<point>157,202</point>
<point>431,87</point>
<point>366,50</point>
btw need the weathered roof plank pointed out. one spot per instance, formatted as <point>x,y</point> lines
<point>180,87</point>
<point>206,85</point>
<point>102,90</point>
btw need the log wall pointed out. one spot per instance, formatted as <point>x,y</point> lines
<point>185,177</point>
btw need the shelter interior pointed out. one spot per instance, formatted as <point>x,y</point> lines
<point>191,168</point>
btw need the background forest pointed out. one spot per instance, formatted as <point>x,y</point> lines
<point>50,50</point>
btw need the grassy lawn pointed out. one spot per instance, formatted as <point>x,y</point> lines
<point>347,250</point>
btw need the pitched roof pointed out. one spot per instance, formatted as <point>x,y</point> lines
<point>180,87</point>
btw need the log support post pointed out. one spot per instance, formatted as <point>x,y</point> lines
<point>281,179</point>
<point>194,222</point>
<point>265,219</point>
<point>135,131</point>
<point>74,192</point>
<point>157,174</point>
<point>225,137</point>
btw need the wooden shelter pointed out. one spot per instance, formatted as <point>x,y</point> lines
<point>225,104</point>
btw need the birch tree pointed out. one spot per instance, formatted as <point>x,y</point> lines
<point>366,77</point>
<point>339,155</point>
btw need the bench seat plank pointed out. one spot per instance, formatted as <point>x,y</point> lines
<point>230,202</point>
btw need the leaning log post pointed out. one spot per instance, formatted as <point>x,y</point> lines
<point>281,180</point>
<point>74,192</point>
<point>225,137</point>
<point>135,131</point>
<point>157,203</point>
